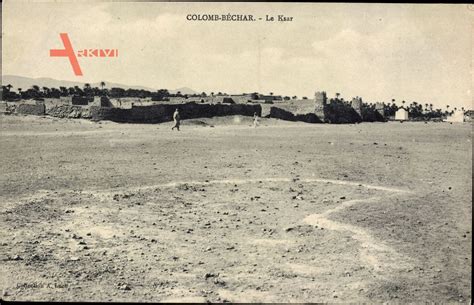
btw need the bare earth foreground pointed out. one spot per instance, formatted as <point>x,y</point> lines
<point>286,212</point>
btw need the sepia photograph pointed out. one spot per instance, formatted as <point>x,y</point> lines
<point>256,152</point>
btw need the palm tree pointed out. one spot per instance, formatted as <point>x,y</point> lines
<point>102,85</point>
<point>9,87</point>
<point>337,95</point>
<point>447,110</point>
<point>46,91</point>
<point>54,92</point>
<point>87,89</point>
<point>78,91</point>
<point>63,90</point>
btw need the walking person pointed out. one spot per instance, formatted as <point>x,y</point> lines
<point>176,119</point>
<point>255,120</point>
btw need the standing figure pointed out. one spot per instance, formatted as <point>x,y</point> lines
<point>176,119</point>
<point>255,120</point>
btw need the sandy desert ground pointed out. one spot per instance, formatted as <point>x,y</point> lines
<point>220,211</point>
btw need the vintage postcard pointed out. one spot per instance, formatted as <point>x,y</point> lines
<point>236,152</point>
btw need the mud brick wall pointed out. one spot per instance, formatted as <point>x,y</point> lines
<point>318,110</point>
<point>69,111</point>
<point>3,107</point>
<point>197,99</point>
<point>266,110</point>
<point>296,106</point>
<point>372,115</point>
<point>380,109</point>
<point>320,101</point>
<point>63,100</point>
<point>82,100</point>
<point>301,110</point>
<point>32,109</point>
<point>54,102</point>
<point>282,114</point>
<point>279,113</point>
<point>357,105</point>
<point>101,101</point>
<point>239,99</point>
<point>242,99</point>
<point>338,112</point>
<point>164,113</point>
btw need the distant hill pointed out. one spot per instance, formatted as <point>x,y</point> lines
<point>27,82</point>
<point>184,90</point>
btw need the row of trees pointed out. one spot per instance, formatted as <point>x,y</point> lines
<point>415,109</point>
<point>419,110</point>
<point>35,92</point>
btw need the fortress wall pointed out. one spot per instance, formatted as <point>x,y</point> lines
<point>36,108</point>
<point>82,100</point>
<point>164,113</point>
<point>317,110</point>
<point>69,111</point>
<point>296,106</point>
<point>357,105</point>
<point>283,114</point>
<point>338,112</point>
<point>372,115</point>
<point>266,108</point>
<point>3,107</point>
<point>53,102</point>
<point>238,99</point>
<point>293,110</point>
<point>320,102</point>
<point>320,110</point>
<point>380,109</point>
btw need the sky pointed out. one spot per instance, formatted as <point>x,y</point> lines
<point>380,52</point>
